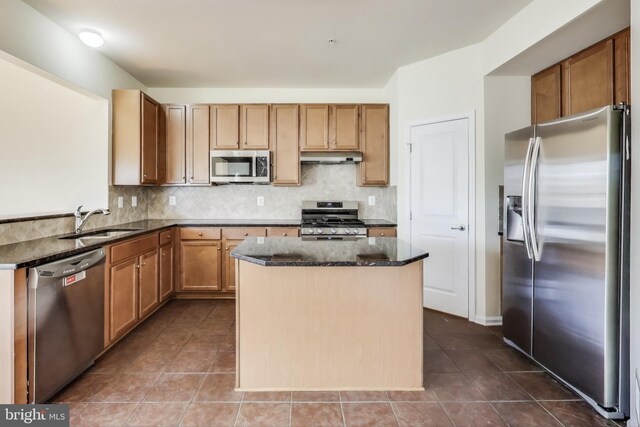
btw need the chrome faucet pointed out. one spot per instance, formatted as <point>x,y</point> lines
<point>81,221</point>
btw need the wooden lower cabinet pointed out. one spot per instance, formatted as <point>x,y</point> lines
<point>149,293</point>
<point>283,232</point>
<point>166,272</point>
<point>382,232</point>
<point>201,265</point>
<point>123,297</point>
<point>230,265</point>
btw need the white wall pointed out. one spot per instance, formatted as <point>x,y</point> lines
<point>54,143</point>
<point>507,104</point>
<point>266,95</point>
<point>448,84</point>
<point>635,208</point>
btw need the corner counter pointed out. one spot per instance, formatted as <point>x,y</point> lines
<point>302,325</point>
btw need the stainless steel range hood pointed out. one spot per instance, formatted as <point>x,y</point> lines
<point>331,157</point>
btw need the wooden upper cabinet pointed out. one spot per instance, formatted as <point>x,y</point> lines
<point>254,126</point>
<point>546,95</point>
<point>314,127</point>
<point>374,144</point>
<point>343,127</point>
<point>176,144</point>
<point>588,79</point>
<point>224,127</point>
<point>198,144</point>
<point>284,143</point>
<point>622,67</point>
<point>138,139</point>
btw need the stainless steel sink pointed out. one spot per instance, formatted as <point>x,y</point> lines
<point>105,233</point>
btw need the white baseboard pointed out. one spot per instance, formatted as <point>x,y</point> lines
<point>489,320</point>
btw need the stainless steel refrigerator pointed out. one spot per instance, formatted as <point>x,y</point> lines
<point>566,246</point>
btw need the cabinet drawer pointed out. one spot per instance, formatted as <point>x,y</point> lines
<point>241,233</point>
<point>283,232</point>
<point>382,232</point>
<point>133,247</point>
<point>200,233</point>
<point>166,237</point>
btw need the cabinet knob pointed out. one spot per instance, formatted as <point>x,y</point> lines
<point>200,234</point>
<point>191,179</point>
<point>334,143</point>
<point>382,234</point>
<point>218,248</point>
<point>326,143</point>
<point>227,248</point>
<point>137,265</point>
<point>246,234</point>
<point>284,234</point>
<point>244,142</point>
<point>144,263</point>
<point>144,175</point>
<point>163,254</point>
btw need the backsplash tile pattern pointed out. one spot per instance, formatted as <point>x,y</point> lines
<point>28,230</point>
<point>319,182</point>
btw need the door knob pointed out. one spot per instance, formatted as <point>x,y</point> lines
<point>460,228</point>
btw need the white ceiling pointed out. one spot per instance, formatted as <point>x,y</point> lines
<point>277,43</point>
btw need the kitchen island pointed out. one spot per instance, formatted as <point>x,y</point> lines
<point>328,314</point>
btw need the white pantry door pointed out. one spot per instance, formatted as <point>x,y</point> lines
<point>440,211</point>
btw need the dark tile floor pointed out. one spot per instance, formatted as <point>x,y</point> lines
<point>177,369</point>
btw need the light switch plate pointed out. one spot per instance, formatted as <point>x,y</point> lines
<point>120,202</point>
<point>134,201</point>
<point>260,201</point>
<point>172,200</point>
<point>372,200</point>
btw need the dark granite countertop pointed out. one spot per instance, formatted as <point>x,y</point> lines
<point>35,252</point>
<point>293,252</point>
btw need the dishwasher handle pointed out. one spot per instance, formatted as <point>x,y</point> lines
<point>72,265</point>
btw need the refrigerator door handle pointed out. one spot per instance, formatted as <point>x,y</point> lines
<point>531,200</point>
<point>525,198</point>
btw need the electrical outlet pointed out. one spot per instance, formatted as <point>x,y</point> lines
<point>260,201</point>
<point>172,200</point>
<point>261,240</point>
<point>120,202</point>
<point>134,201</point>
<point>372,200</point>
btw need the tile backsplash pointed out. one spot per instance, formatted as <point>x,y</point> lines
<point>319,182</point>
<point>27,230</point>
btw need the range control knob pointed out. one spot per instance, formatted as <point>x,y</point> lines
<point>334,231</point>
<point>355,231</point>
<point>347,231</point>
<point>319,231</point>
<point>309,230</point>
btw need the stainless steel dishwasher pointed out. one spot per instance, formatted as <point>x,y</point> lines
<point>66,321</point>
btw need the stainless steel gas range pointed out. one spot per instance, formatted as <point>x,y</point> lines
<point>330,220</point>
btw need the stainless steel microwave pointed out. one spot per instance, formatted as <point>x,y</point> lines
<point>241,166</point>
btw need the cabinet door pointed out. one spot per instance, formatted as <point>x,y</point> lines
<point>176,144</point>
<point>149,147</point>
<point>224,127</point>
<point>283,232</point>
<point>123,297</point>
<point>374,143</point>
<point>166,272</point>
<point>589,79</point>
<point>198,144</point>
<point>149,296</point>
<point>344,127</point>
<point>254,127</point>
<point>201,265</point>
<point>314,127</point>
<point>230,265</point>
<point>546,95</point>
<point>621,78</point>
<point>284,142</point>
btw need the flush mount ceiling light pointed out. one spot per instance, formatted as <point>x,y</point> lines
<point>91,38</point>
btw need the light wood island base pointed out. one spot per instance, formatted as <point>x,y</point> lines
<point>328,328</point>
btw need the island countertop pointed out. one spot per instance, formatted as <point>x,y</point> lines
<point>292,252</point>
